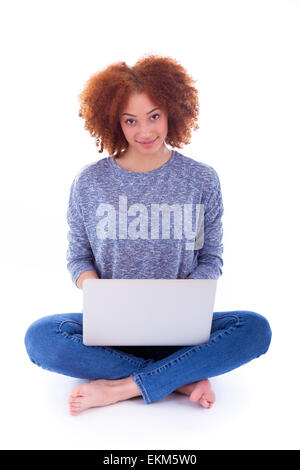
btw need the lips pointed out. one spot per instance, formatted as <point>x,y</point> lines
<point>148,142</point>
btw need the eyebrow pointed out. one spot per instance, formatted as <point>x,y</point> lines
<point>135,115</point>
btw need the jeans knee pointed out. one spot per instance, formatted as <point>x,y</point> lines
<point>260,333</point>
<point>40,339</point>
<point>34,338</point>
<point>46,339</point>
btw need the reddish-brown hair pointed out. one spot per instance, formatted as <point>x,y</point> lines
<point>163,79</point>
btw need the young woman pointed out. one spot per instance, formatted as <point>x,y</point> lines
<point>134,112</point>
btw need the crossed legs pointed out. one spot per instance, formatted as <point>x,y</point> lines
<point>55,343</point>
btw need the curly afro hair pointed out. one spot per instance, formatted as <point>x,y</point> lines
<point>165,82</point>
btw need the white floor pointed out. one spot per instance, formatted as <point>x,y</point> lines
<point>246,415</point>
<point>257,405</point>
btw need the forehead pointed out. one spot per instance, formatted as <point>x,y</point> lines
<point>139,101</point>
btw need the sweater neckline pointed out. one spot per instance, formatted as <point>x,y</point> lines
<point>121,172</point>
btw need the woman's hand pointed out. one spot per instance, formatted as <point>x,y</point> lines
<point>86,275</point>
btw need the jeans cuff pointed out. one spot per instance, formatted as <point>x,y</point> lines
<point>144,392</point>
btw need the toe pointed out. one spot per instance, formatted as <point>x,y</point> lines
<point>207,399</point>
<point>75,408</point>
<point>74,394</point>
<point>80,390</point>
<point>196,394</point>
<point>204,402</point>
<point>72,399</point>
<point>77,392</point>
<point>75,400</point>
<point>194,397</point>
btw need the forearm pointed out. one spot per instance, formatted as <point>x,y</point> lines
<point>86,275</point>
<point>209,267</point>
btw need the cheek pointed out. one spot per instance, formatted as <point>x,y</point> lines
<point>164,125</point>
<point>126,132</point>
<point>129,134</point>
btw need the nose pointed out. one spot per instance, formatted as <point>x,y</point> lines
<point>144,134</point>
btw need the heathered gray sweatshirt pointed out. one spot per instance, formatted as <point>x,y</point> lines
<point>160,224</point>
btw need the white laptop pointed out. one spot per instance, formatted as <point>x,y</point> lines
<point>147,312</point>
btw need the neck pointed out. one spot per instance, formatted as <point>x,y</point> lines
<point>143,161</point>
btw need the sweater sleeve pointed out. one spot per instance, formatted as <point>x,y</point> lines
<point>79,254</point>
<point>209,257</point>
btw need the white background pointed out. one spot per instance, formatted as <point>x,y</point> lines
<point>244,56</point>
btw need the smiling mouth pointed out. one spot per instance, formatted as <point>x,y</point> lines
<point>148,142</point>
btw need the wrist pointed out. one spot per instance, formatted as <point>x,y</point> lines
<point>90,274</point>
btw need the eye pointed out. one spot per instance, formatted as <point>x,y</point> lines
<point>156,114</point>
<point>126,122</point>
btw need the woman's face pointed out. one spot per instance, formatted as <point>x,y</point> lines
<point>143,121</point>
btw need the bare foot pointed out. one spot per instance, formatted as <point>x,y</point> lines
<point>199,391</point>
<point>101,392</point>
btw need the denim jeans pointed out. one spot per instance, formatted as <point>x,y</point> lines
<point>55,343</point>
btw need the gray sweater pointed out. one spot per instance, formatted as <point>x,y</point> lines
<point>160,224</point>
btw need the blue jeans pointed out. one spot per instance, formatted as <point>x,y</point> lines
<point>55,343</point>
